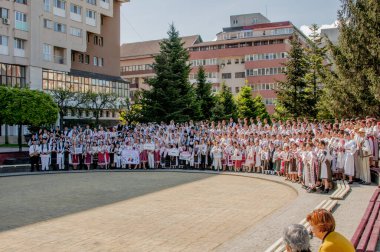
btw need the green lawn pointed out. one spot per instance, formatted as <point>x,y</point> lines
<point>12,145</point>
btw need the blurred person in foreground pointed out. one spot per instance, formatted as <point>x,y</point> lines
<point>296,238</point>
<point>322,225</point>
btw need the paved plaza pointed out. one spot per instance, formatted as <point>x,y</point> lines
<point>157,211</point>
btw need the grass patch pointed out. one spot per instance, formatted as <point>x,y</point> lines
<point>12,145</point>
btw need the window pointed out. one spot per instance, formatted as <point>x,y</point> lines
<point>76,32</point>
<point>228,62</point>
<point>75,9</point>
<point>48,24</point>
<point>3,40</point>
<point>80,58</point>
<point>19,44</point>
<point>93,2</point>
<point>237,61</point>
<point>95,61</point>
<point>58,27</point>
<point>61,4</point>
<point>12,75</point>
<point>47,52</point>
<point>226,75</point>
<point>95,40</point>
<point>107,113</point>
<point>4,13</point>
<point>21,17</point>
<point>47,5</point>
<point>100,41</point>
<point>21,1</point>
<point>72,56</point>
<point>239,75</point>
<point>100,62</point>
<point>87,59</point>
<point>237,89</point>
<point>91,14</point>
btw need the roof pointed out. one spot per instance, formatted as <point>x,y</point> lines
<point>152,47</point>
<point>234,41</point>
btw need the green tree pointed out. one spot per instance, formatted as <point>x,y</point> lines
<point>66,99</point>
<point>97,102</point>
<point>291,93</point>
<point>204,94</point>
<point>245,103</point>
<point>316,56</point>
<point>260,108</point>
<point>171,96</point>
<point>224,103</point>
<point>27,107</point>
<point>353,88</point>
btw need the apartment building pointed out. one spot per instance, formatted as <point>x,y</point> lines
<point>249,52</point>
<point>51,44</point>
<point>136,61</point>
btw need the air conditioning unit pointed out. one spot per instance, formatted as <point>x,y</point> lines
<point>5,21</point>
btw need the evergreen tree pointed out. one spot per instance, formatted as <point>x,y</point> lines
<point>316,55</point>
<point>291,93</point>
<point>204,94</point>
<point>260,108</point>
<point>226,99</point>
<point>353,89</point>
<point>217,112</point>
<point>171,96</point>
<point>245,103</point>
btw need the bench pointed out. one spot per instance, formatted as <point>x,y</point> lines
<point>367,233</point>
<point>342,189</point>
<point>375,175</point>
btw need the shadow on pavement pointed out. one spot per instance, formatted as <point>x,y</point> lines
<point>26,200</point>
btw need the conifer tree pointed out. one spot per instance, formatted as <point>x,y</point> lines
<point>225,106</point>
<point>353,89</point>
<point>171,96</point>
<point>291,93</point>
<point>245,103</point>
<point>204,95</point>
<point>260,108</point>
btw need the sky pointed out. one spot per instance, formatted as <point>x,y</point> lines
<point>143,20</point>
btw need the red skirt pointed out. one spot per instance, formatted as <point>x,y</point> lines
<point>238,163</point>
<point>101,158</point>
<point>157,156</point>
<point>75,159</point>
<point>144,156</point>
<point>88,159</point>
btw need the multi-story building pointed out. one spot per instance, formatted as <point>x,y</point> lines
<point>136,61</point>
<point>72,44</point>
<point>249,52</point>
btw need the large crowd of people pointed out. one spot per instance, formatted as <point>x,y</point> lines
<point>312,153</point>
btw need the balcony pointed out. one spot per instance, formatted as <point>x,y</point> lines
<point>91,21</point>
<point>4,50</point>
<point>19,25</point>
<point>19,52</point>
<point>59,12</point>
<point>104,4</point>
<point>75,17</point>
<point>59,59</point>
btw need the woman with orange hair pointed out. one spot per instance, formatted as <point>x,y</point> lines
<point>322,225</point>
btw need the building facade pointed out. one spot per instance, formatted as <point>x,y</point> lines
<point>249,52</point>
<point>136,61</point>
<point>69,44</point>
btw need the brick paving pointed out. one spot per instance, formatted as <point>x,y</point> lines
<point>160,211</point>
<point>197,215</point>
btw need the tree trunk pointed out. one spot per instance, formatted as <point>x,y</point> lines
<point>61,115</point>
<point>19,140</point>
<point>6,140</point>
